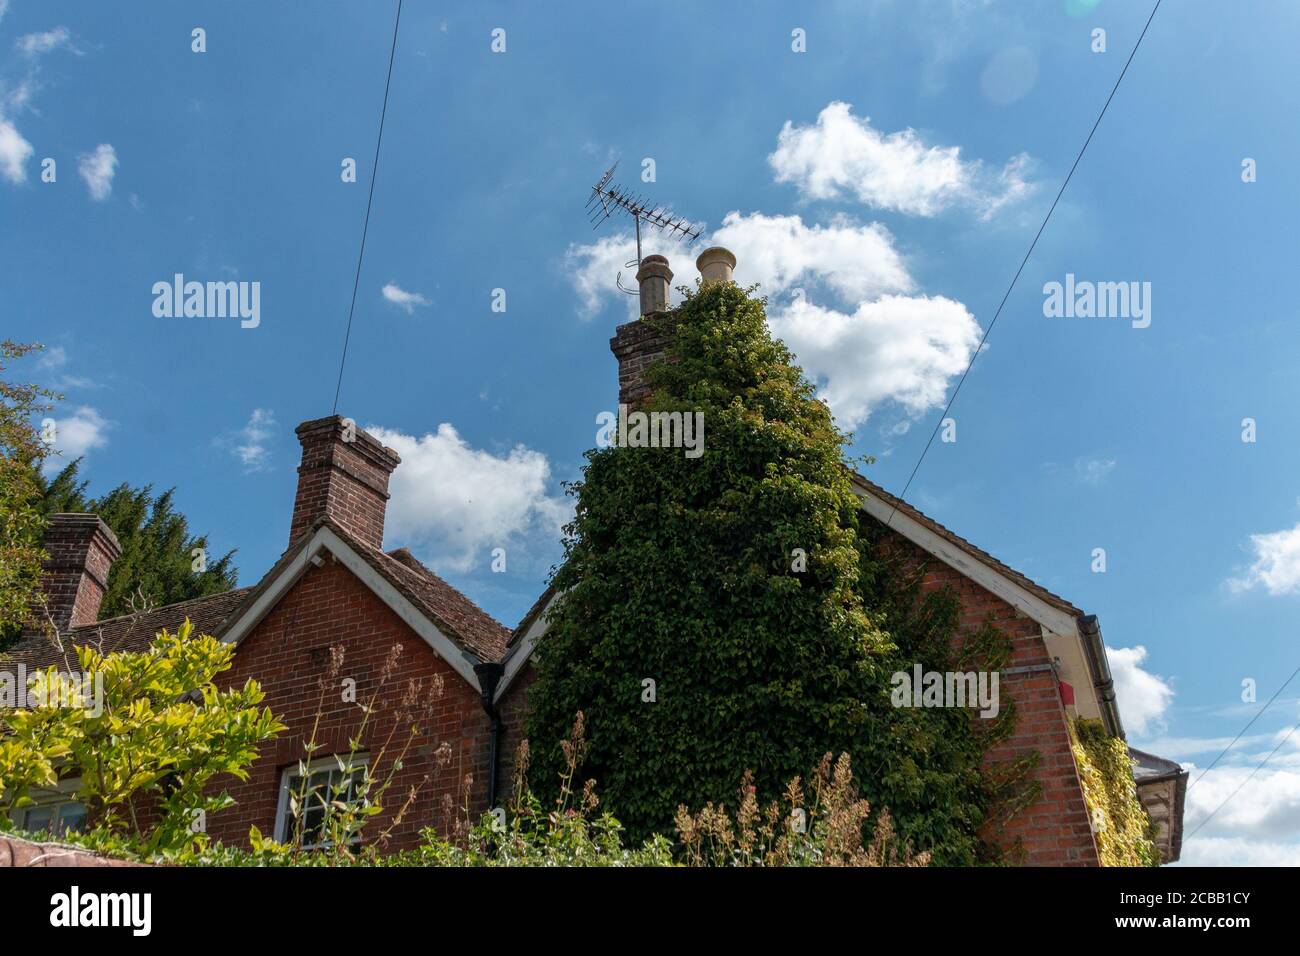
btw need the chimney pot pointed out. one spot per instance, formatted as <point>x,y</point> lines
<point>715,265</point>
<point>653,278</point>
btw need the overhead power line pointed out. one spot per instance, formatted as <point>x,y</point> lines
<point>365,226</point>
<point>1023,262</point>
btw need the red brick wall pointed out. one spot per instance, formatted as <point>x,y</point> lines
<point>346,481</point>
<point>638,345</point>
<point>288,653</point>
<point>513,707</point>
<point>1055,830</point>
<point>80,550</point>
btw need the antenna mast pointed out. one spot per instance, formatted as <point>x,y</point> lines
<point>606,199</point>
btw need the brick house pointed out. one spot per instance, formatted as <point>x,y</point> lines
<point>336,586</point>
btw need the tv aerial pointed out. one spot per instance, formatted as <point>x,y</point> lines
<point>608,198</point>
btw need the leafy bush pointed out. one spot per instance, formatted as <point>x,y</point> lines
<point>21,522</point>
<point>146,751</point>
<point>684,572</point>
<point>572,833</point>
<point>826,831</point>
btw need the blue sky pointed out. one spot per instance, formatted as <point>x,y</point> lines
<point>882,186</point>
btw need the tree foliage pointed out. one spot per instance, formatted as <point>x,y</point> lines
<point>21,524</point>
<point>151,732</point>
<point>157,565</point>
<point>680,571</point>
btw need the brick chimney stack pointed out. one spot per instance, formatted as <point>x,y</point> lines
<point>637,345</point>
<point>343,477</point>
<point>80,550</point>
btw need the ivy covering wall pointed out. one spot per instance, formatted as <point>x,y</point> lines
<point>1123,829</point>
<point>727,613</point>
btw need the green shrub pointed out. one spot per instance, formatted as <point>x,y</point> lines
<point>160,733</point>
<point>684,572</point>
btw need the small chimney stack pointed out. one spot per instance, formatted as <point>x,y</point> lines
<point>80,549</point>
<point>638,345</point>
<point>715,265</point>
<point>343,477</point>
<point>653,278</point>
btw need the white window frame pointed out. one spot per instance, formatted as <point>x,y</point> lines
<point>63,794</point>
<point>283,818</point>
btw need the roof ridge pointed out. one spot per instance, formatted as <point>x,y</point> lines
<point>424,570</point>
<point>975,550</point>
<point>159,609</point>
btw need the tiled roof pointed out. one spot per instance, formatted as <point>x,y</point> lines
<point>458,617</point>
<point>133,632</point>
<point>527,621</point>
<point>453,613</point>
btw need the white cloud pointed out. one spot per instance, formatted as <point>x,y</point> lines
<point>592,269</point>
<point>841,154</point>
<point>1143,697</point>
<point>903,349</point>
<point>1093,471</point>
<point>781,252</point>
<point>1263,807</point>
<point>55,361</point>
<point>14,152</point>
<point>1223,851</point>
<point>4,8</point>
<point>54,358</point>
<point>1256,813</point>
<point>19,97</point>
<point>1185,748</point>
<point>884,346</point>
<point>403,299</point>
<point>249,445</point>
<point>34,44</point>
<point>853,315</point>
<point>457,503</point>
<point>98,169</point>
<point>1089,471</point>
<point>1277,563</point>
<point>75,437</point>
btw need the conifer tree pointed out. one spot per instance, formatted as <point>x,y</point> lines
<point>160,563</point>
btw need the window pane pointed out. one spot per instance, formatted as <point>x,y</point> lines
<point>323,788</point>
<point>71,818</point>
<point>38,818</point>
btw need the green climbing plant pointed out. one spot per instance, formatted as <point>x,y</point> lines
<point>727,614</point>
